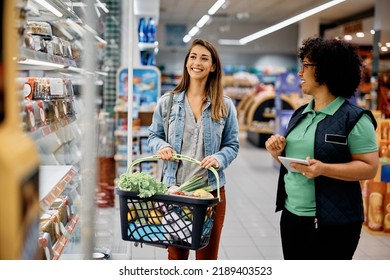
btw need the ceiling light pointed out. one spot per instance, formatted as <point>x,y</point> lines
<point>49,7</point>
<point>287,22</point>
<point>194,30</point>
<point>348,37</point>
<point>187,38</point>
<point>384,49</point>
<point>360,34</point>
<point>216,7</point>
<point>203,21</point>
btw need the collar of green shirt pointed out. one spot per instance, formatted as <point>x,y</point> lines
<point>330,109</point>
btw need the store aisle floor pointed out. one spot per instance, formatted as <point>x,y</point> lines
<point>251,230</point>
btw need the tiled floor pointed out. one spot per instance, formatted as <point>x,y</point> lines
<point>251,230</point>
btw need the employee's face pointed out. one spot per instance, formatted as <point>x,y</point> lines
<point>307,75</point>
<point>199,63</point>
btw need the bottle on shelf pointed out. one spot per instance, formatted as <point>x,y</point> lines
<point>151,31</point>
<point>142,27</point>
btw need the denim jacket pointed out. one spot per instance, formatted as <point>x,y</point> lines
<point>220,138</point>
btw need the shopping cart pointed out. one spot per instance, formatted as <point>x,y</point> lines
<point>167,219</point>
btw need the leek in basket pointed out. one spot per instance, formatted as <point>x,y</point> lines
<point>193,184</point>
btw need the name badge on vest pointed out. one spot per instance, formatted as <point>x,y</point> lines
<point>336,139</point>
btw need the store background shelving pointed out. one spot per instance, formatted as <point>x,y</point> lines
<point>146,89</point>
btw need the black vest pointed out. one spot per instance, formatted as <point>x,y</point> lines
<point>337,201</point>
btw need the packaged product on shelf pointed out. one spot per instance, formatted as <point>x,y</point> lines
<point>37,43</point>
<point>28,41</point>
<point>58,225</point>
<point>38,105</point>
<point>386,210</point>
<point>69,92</point>
<point>105,196</point>
<point>61,207</point>
<point>39,28</point>
<point>41,89</point>
<point>26,85</point>
<point>56,111</point>
<point>46,244</point>
<point>62,109</point>
<point>35,116</point>
<point>66,48</point>
<point>376,192</point>
<point>48,107</point>
<point>29,116</point>
<point>47,225</point>
<point>54,47</point>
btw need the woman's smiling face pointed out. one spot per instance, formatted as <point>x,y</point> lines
<point>307,75</point>
<point>199,63</point>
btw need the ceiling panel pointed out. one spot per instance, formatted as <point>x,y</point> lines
<point>239,18</point>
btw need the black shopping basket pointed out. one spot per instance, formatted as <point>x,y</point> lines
<point>167,219</point>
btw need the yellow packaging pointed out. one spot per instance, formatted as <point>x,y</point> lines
<point>376,192</point>
<point>19,158</point>
<point>386,210</point>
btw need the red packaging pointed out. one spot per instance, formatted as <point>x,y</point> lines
<point>30,116</point>
<point>41,110</point>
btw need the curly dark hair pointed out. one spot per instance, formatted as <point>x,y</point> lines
<point>338,64</point>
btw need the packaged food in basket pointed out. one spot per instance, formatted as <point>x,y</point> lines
<point>177,227</point>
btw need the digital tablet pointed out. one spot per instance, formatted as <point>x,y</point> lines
<point>287,160</point>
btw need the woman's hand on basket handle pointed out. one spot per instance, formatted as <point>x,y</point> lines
<point>209,161</point>
<point>166,153</point>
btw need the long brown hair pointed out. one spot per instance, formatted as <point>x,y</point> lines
<point>214,87</point>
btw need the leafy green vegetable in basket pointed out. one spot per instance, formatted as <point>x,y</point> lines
<point>143,183</point>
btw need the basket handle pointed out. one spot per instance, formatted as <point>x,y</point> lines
<point>178,157</point>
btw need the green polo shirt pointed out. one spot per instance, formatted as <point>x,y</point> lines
<point>300,144</point>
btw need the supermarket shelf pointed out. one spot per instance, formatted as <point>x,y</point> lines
<point>61,243</point>
<point>135,133</point>
<point>52,182</point>
<point>44,57</point>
